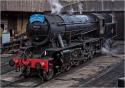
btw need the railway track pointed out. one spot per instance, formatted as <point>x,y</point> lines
<point>108,78</point>
<point>4,65</point>
<point>71,78</point>
<point>6,68</point>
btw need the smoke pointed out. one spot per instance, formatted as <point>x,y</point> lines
<point>56,7</point>
<point>71,11</point>
<point>80,6</point>
<point>107,48</point>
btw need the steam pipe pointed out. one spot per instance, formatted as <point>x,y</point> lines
<point>60,41</point>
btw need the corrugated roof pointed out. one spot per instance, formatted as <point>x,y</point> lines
<point>44,5</point>
<point>25,5</point>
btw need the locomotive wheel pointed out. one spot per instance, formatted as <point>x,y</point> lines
<point>75,56</point>
<point>11,63</point>
<point>68,67</point>
<point>91,52</point>
<point>38,69</point>
<point>47,75</point>
<point>77,63</point>
<point>85,59</point>
<point>26,71</point>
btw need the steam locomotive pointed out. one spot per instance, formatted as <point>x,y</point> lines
<point>59,42</point>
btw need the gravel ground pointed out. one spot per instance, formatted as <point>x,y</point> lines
<point>108,78</point>
<point>4,65</point>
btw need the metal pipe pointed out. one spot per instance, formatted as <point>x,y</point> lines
<point>60,41</point>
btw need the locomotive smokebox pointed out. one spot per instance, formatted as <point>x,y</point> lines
<point>37,29</point>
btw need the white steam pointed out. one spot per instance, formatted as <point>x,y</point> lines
<point>107,49</point>
<point>71,11</point>
<point>80,6</point>
<point>56,7</point>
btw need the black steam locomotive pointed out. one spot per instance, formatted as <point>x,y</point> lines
<point>59,42</point>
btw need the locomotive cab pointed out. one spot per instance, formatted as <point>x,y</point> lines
<point>107,25</point>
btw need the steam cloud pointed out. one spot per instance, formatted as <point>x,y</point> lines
<point>56,7</point>
<point>106,49</point>
<point>80,6</point>
<point>71,11</point>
